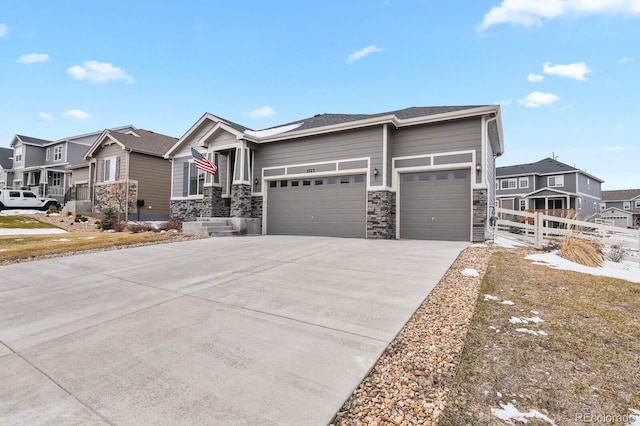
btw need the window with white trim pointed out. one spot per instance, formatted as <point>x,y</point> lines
<point>56,179</point>
<point>48,154</point>
<point>57,153</point>
<point>508,183</point>
<point>523,204</point>
<point>637,204</point>
<point>497,185</point>
<point>555,181</point>
<point>523,182</point>
<point>110,169</point>
<point>17,154</point>
<point>196,180</point>
<point>626,205</point>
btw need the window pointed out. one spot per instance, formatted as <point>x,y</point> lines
<point>17,154</point>
<point>359,178</point>
<point>508,184</point>
<point>497,185</point>
<point>637,204</point>
<point>295,183</point>
<point>523,204</point>
<point>196,180</point>
<point>344,179</point>
<point>306,182</point>
<point>626,205</point>
<point>407,177</point>
<point>331,181</point>
<point>523,182</point>
<point>460,174</point>
<point>27,194</point>
<point>56,179</point>
<point>14,194</point>
<point>48,154</point>
<point>318,182</point>
<point>283,184</point>
<point>423,177</point>
<point>442,175</point>
<point>57,153</point>
<point>273,184</point>
<point>110,169</point>
<point>555,181</point>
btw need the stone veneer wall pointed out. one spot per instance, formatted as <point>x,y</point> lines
<point>381,214</point>
<point>213,203</point>
<point>185,210</point>
<point>240,201</point>
<point>256,207</point>
<point>114,195</point>
<point>479,214</point>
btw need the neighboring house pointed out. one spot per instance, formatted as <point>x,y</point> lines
<point>6,167</point>
<point>45,167</point>
<point>127,171</point>
<point>422,172</point>
<point>548,185</point>
<point>622,207</point>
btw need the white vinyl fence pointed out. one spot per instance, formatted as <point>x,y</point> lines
<point>538,228</point>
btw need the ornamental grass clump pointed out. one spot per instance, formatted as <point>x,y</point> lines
<point>582,251</point>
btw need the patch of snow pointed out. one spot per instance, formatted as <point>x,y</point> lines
<point>37,231</point>
<point>499,394</point>
<point>479,245</point>
<point>505,242</point>
<point>17,212</point>
<point>509,412</point>
<point>524,320</point>
<point>508,302</point>
<point>629,271</point>
<point>4,249</point>
<point>87,238</point>
<point>496,329</point>
<point>535,333</point>
<point>535,312</point>
<point>490,297</point>
<point>272,132</point>
<point>469,272</point>
<point>63,239</point>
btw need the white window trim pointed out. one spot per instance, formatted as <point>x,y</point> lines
<point>48,154</point>
<point>626,205</point>
<point>57,153</point>
<point>18,154</point>
<point>111,169</point>
<point>199,187</point>
<point>506,184</point>
<point>558,181</point>
<point>522,204</point>
<point>523,180</point>
<point>637,204</point>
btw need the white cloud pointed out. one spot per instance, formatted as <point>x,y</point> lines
<point>262,112</point>
<point>535,78</point>
<point>532,12</point>
<point>33,58</point>
<point>4,30</point>
<point>43,116</point>
<point>76,114</point>
<point>537,99</point>
<point>362,53</point>
<point>577,71</point>
<point>624,60</point>
<point>98,72</point>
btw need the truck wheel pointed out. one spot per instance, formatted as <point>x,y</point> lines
<point>1,207</point>
<point>48,206</point>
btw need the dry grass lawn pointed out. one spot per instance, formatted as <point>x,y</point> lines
<point>587,364</point>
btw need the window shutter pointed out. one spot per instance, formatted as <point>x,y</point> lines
<point>117,168</point>
<point>101,170</point>
<point>185,179</point>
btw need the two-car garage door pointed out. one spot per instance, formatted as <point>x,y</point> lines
<point>435,205</point>
<point>324,206</point>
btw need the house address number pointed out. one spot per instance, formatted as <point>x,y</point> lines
<point>311,170</point>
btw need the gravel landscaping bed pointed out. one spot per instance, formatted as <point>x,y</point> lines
<point>410,382</point>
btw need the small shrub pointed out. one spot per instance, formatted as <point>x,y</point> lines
<point>138,227</point>
<point>170,224</point>
<point>551,245</point>
<point>616,253</point>
<point>581,251</point>
<point>80,218</point>
<point>120,226</point>
<point>109,218</point>
<point>52,211</point>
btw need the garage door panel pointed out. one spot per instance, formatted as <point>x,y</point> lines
<point>325,207</point>
<point>435,206</point>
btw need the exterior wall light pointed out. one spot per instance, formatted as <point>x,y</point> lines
<point>478,167</point>
<point>375,172</point>
<point>255,182</point>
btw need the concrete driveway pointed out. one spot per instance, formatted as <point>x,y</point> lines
<point>252,330</point>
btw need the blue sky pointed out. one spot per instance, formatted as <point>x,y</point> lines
<point>565,71</point>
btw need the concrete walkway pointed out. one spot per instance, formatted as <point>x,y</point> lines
<point>249,330</point>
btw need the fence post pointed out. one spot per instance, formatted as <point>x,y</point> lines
<point>538,230</point>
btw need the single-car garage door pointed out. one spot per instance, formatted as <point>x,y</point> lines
<point>436,205</point>
<point>330,206</point>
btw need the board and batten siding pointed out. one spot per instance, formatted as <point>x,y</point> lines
<point>154,182</point>
<point>113,150</point>
<point>358,143</point>
<point>438,138</point>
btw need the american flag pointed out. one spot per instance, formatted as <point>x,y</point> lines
<point>203,163</point>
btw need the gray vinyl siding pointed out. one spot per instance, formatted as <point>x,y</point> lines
<point>459,135</point>
<point>201,131</point>
<point>111,151</point>
<point>51,149</point>
<point>569,182</point>
<point>517,190</point>
<point>589,186</point>
<point>154,182</point>
<point>32,156</point>
<point>336,146</point>
<point>617,204</point>
<point>75,153</point>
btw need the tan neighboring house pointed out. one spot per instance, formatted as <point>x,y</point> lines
<point>127,171</point>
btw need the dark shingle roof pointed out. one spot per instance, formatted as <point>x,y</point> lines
<point>322,120</point>
<point>548,165</point>
<point>620,195</point>
<point>238,127</point>
<point>147,143</point>
<point>35,141</point>
<point>5,158</point>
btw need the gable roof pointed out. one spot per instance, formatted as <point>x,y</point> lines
<point>620,195</point>
<point>326,123</point>
<point>140,140</point>
<point>543,167</point>
<point>32,141</point>
<point>6,162</point>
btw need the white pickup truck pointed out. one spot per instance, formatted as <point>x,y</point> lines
<point>19,199</point>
